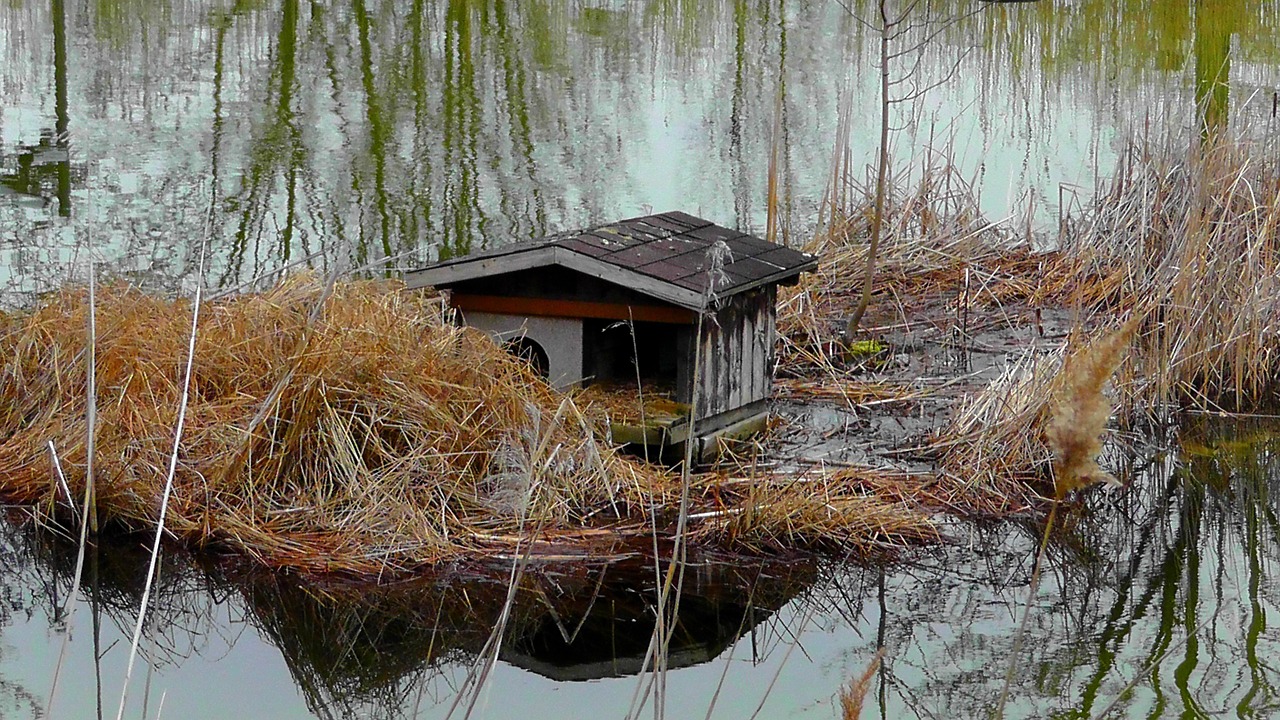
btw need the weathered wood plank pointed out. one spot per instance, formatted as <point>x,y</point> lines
<point>522,259</point>
<point>708,371</point>
<point>547,307</point>
<point>752,364</point>
<point>736,348</point>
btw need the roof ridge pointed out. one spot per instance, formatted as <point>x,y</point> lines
<point>662,255</point>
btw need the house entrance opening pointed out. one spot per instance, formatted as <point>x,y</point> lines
<point>614,354</point>
<point>531,352</point>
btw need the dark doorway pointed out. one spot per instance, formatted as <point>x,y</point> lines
<point>531,352</point>
<point>611,353</point>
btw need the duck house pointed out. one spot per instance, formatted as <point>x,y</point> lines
<point>667,306</point>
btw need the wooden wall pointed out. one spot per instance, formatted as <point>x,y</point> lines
<point>736,353</point>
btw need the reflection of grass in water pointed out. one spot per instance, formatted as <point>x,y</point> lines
<point>352,656</point>
<point>14,600</point>
<point>354,652</point>
<point>1190,509</point>
<point>1186,547</point>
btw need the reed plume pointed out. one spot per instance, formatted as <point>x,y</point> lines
<point>853,695</point>
<point>1079,410</point>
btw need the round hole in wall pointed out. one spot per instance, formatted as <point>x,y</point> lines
<point>531,352</point>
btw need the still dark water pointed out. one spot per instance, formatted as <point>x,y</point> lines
<point>1160,598</point>
<point>296,132</point>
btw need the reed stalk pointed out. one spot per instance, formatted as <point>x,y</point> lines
<point>73,597</point>
<point>88,515</point>
<point>168,484</point>
<point>1073,425</point>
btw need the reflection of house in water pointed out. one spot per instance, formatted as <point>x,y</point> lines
<point>607,634</point>
<point>368,652</point>
<point>359,655</point>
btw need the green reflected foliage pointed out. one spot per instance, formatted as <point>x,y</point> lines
<point>1157,601</point>
<point>352,132</point>
<point>1192,590</point>
<point>1115,52</point>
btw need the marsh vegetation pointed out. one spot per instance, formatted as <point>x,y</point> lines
<point>371,511</point>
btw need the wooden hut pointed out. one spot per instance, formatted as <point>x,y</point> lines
<point>685,306</point>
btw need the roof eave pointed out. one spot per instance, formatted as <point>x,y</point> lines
<point>463,270</point>
<point>651,286</point>
<point>781,278</point>
<point>547,255</point>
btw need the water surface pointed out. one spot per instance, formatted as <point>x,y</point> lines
<point>1156,601</point>
<point>293,132</point>
<point>314,134</point>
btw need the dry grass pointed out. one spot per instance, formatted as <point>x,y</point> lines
<point>935,238</point>
<point>1186,241</point>
<point>380,438</point>
<point>991,446</point>
<point>866,511</point>
<point>945,270</point>
<point>621,403</point>
<point>1185,244</point>
<point>1044,411</point>
<point>854,694</point>
<point>375,440</point>
<point>851,390</point>
<point>395,439</point>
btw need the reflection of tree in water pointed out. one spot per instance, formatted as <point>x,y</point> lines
<point>1122,49</point>
<point>1188,38</point>
<point>372,128</point>
<point>38,567</point>
<point>15,699</point>
<point>1166,584</point>
<point>368,128</point>
<point>1186,601</point>
<point>44,170</point>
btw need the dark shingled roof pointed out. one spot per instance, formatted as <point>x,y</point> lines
<point>666,256</point>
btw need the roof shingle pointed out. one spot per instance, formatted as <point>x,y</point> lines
<point>671,249</point>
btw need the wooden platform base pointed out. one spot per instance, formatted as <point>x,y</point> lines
<point>665,437</point>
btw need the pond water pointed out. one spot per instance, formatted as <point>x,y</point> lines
<point>1157,601</point>
<point>289,132</point>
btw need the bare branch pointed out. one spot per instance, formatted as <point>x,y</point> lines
<point>917,92</point>
<point>848,10</point>
<point>943,27</point>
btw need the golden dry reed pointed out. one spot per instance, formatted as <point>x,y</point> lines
<point>367,437</point>
<point>395,439</point>
<point>853,695</point>
<point>1079,410</point>
<point>1185,242</point>
<point>850,509</point>
<point>1188,241</point>
<point>1044,411</point>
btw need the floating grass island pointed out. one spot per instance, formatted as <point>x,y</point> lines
<point>355,433</point>
<point>352,431</point>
